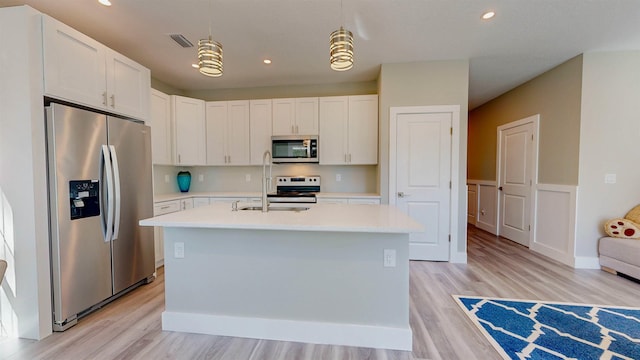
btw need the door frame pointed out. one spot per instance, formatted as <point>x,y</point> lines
<point>535,120</point>
<point>394,111</point>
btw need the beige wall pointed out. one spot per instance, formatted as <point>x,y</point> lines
<point>420,84</point>
<point>556,96</point>
<point>165,88</point>
<point>286,91</point>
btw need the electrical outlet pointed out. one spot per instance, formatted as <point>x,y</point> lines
<point>201,178</point>
<point>178,250</point>
<point>389,258</point>
<point>338,177</point>
<point>166,178</point>
<point>247,177</point>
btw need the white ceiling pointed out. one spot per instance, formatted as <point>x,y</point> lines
<point>526,38</point>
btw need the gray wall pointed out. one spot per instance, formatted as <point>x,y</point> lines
<point>419,84</point>
<point>609,139</point>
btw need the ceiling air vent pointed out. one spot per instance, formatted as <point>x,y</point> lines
<point>181,40</point>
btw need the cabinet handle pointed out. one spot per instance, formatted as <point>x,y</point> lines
<point>229,158</point>
<point>179,160</point>
<point>104,98</point>
<point>113,101</point>
<point>349,158</point>
<point>293,129</point>
<point>164,207</point>
<point>297,131</point>
<point>345,158</point>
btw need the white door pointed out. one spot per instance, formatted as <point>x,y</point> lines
<point>515,174</point>
<point>423,180</point>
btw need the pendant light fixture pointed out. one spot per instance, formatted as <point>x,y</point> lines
<point>210,54</point>
<point>341,47</point>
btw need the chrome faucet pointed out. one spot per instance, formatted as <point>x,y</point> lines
<point>265,179</point>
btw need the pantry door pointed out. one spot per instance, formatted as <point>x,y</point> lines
<point>421,176</point>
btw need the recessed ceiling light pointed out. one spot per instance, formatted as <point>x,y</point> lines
<point>105,2</point>
<point>195,66</point>
<point>488,15</point>
<point>266,61</point>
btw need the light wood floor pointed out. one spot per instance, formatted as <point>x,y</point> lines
<point>130,327</point>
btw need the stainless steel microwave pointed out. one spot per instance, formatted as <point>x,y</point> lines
<point>294,149</point>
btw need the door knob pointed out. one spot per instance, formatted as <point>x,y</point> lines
<point>402,194</point>
<point>500,188</point>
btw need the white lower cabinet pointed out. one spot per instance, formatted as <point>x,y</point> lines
<point>161,208</point>
<point>350,201</point>
<point>200,201</point>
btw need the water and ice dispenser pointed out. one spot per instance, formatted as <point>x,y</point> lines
<point>84,197</point>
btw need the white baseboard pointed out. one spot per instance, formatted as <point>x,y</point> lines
<point>458,257</point>
<point>587,262</point>
<point>380,337</point>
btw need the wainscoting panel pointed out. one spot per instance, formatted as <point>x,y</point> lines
<point>555,222</point>
<point>488,207</point>
<point>472,203</point>
<point>484,209</point>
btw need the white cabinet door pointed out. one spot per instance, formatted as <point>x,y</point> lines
<point>128,85</point>
<point>237,139</point>
<point>306,119</point>
<point>363,130</point>
<point>161,133</point>
<point>81,70</point>
<point>200,201</point>
<point>334,113</point>
<point>364,201</point>
<point>190,135</point>
<point>186,204</point>
<point>260,129</point>
<point>228,132</point>
<point>333,201</point>
<point>161,208</point>
<point>284,112</point>
<point>216,119</point>
<point>74,65</point>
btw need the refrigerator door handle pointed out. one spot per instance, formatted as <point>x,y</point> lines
<point>108,226</point>
<point>116,187</point>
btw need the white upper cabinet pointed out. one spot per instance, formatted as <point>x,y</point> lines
<point>306,120</point>
<point>128,86</point>
<point>363,130</point>
<point>349,130</point>
<point>260,129</point>
<point>334,113</point>
<point>161,132</point>
<point>81,70</point>
<point>190,131</point>
<point>227,124</point>
<point>295,116</point>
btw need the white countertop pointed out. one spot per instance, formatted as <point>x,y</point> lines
<point>257,194</point>
<point>320,217</point>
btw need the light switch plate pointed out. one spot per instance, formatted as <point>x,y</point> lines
<point>610,178</point>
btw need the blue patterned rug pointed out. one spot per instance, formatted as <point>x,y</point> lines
<point>542,330</point>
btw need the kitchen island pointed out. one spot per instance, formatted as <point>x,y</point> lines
<point>332,274</point>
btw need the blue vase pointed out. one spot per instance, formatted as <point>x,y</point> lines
<point>184,180</point>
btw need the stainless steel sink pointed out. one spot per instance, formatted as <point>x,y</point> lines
<point>277,208</point>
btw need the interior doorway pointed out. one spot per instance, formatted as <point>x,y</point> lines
<point>517,170</point>
<point>421,174</point>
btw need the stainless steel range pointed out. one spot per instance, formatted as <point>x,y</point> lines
<point>295,189</point>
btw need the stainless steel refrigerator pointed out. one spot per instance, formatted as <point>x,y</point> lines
<point>99,188</point>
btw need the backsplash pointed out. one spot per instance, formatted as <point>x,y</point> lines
<point>353,178</point>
